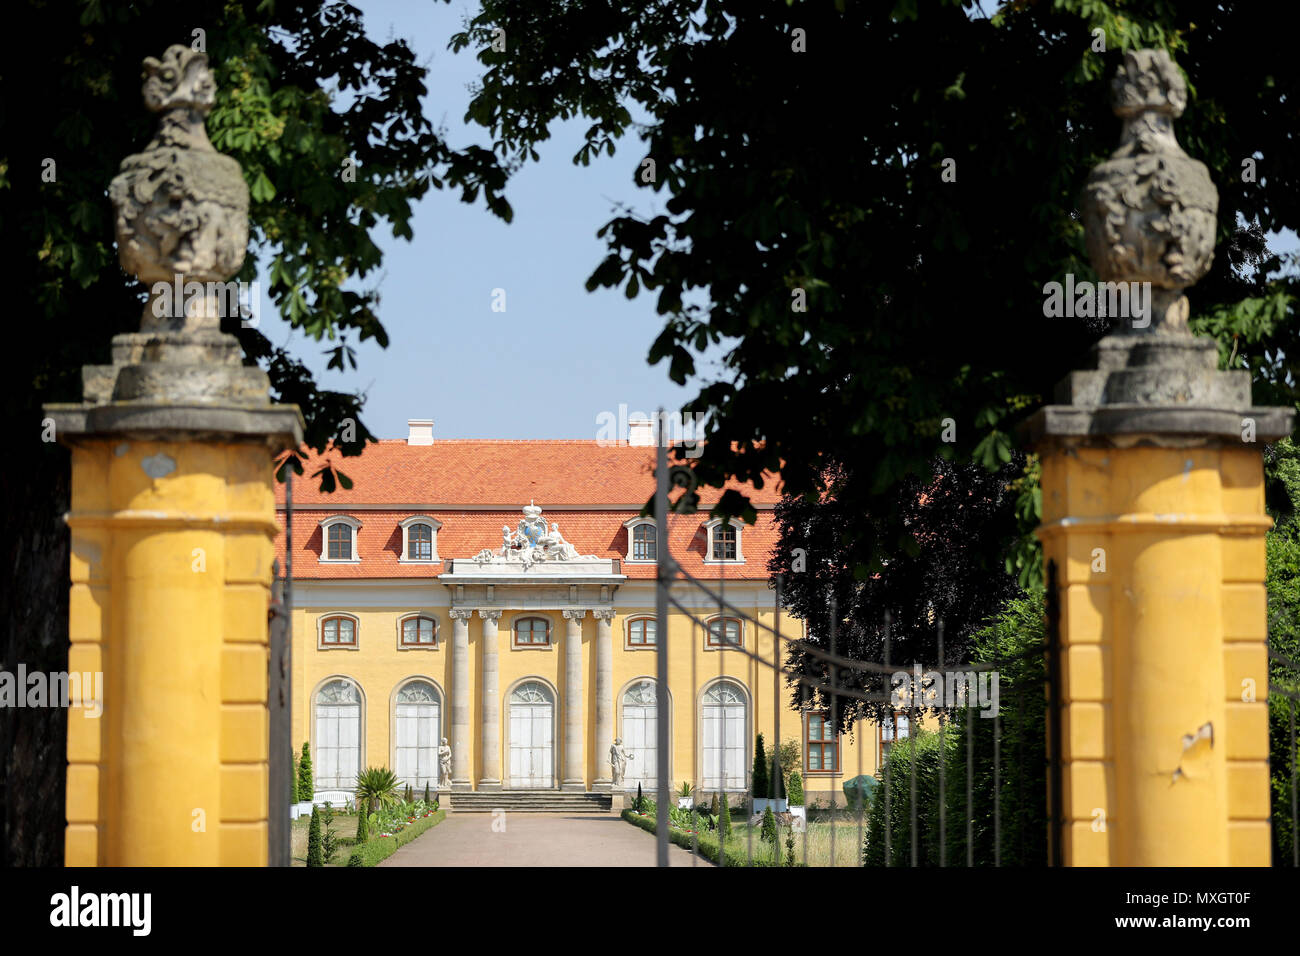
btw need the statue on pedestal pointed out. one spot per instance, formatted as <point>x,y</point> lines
<point>444,764</point>
<point>618,758</point>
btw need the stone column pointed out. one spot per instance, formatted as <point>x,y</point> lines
<point>604,697</point>
<point>460,696</point>
<point>173,523</point>
<point>1153,515</point>
<point>490,778</point>
<point>575,777</point>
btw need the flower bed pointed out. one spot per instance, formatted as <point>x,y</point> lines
<point>395,831</point>
<point>704,841</point>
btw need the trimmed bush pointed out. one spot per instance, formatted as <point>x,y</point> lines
<point>768,833</point>
<point>306,785</point>
<point>796,789</point>
<point>776,780</point>
<point>381,848</point>
<point>315,852</point>
<point>758,777</point>
<point>426,793</point>
<point>363,826</point>
<point>705,843</point>
<point>640,800</point>
<point>293,779</point>
<point>724,819</point>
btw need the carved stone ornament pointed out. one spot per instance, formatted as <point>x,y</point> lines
<point>181,207</point>
<point>1149,212</point>
<point>531,543</point>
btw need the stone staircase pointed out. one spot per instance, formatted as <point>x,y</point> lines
<point>527,801</point>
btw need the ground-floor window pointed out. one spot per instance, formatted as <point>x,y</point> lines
<point>821,748</point>
<point>417,724</point>
<point>895,727</point>
<point>722,725</point>
<point>532,747</point>
<point>640,735</point>
<point>338,735</point>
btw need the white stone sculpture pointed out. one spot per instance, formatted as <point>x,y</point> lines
<point>532,543</point>
<point>618,758</point>
<point>444,763</point>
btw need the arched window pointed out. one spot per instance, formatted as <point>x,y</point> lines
<point>419,631</point>
<point>723,731</point>
<point>420,539</point>
<point>724,632</point>
<point>724,542</point>
<point>532,632</point>
<point>338,735</point>
<point>339,539</point>
<point>417,726</point>
<point>338,630</point>
<point>640,728</point>
<point>532,736</point>
<point>641,632</point>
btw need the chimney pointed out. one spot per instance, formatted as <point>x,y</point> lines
<point>640,432</point>
<point>419,431</point>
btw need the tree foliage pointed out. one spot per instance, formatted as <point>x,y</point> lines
<point>783,175</point>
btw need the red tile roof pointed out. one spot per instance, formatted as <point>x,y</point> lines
<point>475,487</point>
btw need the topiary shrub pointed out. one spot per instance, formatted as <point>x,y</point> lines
<point>776,780</point>
<point>639,799</point>
<point>768,833</point>
<point>758,777</point>
<point>315,851</point>
<point>724,820</point>
<point>426,792</point>
<point>796,789</point>
<point>293,779</point>
<point>306,785</point>
<point>363,826</point>
<point>355,859</point>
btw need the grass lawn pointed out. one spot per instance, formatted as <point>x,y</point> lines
<point>344,827</point>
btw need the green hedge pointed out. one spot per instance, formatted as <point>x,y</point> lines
<point>381,848</point>
<point>707,843</point>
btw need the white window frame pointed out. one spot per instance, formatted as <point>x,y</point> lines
<point>712,526</point>
<point>631,524</point>
<point>434,525</point>
<point>325,526</point>
<point>320,632</point>
<point>418,615</point>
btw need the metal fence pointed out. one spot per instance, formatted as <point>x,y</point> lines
<point>678,589</point>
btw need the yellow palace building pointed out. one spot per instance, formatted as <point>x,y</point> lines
<point>500,594</point>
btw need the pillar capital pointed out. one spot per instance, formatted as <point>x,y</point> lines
<point>574,613</point>
<point>603,614</point>
<point>461,614</point>
<point>490,614</point>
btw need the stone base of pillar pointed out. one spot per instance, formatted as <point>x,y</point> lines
<point>459,786</point>
<point>489,784</point>
<point>603,786</point>
<point>573,786</point>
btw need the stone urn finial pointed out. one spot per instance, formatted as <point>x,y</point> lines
<point>1150,211</point>
<point>181,207</point>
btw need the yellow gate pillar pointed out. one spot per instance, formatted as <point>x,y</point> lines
<point>1153,512</point>
<point>173,522</point>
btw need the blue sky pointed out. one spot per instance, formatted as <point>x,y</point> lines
<point>559,356</point>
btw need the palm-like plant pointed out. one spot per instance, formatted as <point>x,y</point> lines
<point>376,787</point>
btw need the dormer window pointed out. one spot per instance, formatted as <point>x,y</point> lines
<point>642,541</point>
<point>724,542</point>
<point>420,540</point>
<point>339,540</point>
